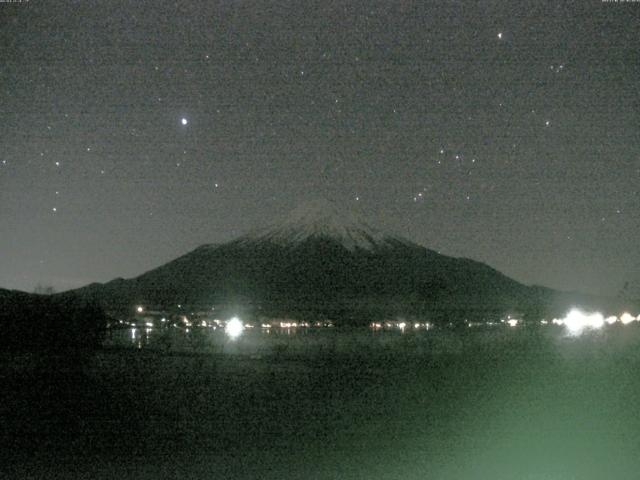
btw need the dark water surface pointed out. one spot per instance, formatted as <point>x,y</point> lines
<point>499,404</point>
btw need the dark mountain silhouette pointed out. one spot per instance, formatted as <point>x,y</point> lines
<point>323,261</point>
<point>49,324</point>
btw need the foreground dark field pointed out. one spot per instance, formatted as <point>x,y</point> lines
<point>506,404</point>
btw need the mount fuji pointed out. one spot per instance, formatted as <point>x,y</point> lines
<point>324,261</point>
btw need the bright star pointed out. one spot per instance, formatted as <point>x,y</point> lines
<point>184,121</point>
<point>500,35</point>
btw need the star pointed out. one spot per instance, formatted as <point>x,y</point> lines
<point>499,35</point>
<point>184,121</point>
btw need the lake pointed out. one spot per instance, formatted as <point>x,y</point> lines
<point>504,403</point>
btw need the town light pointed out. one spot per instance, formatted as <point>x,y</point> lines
<point>140,309</point>
<point>234,328</point>
<point>576,321</point>
<point>611,319</point>
<point>626,318</point>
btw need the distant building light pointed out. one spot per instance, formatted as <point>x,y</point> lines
<point>627,318</point>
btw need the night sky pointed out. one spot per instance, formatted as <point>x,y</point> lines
<point>507,132</point>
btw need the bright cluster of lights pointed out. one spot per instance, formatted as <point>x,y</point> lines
<point>577,321</point>
<point>627,318</point>
<point>294,324</point>
<point>298,324</point>
<point>399,325</point>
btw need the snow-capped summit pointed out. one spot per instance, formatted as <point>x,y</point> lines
<point>323,219</point>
